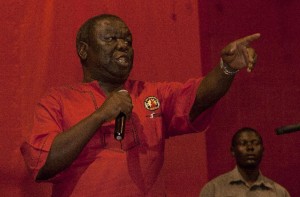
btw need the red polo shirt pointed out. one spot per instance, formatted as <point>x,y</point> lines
<point>107,167</point>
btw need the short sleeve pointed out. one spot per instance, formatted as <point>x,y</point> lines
<point>46,125</point>
<point>178,100</point>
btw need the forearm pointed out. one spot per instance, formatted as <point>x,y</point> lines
<point>236,56</point>
<point>68,145</point>
<point>213,87</point>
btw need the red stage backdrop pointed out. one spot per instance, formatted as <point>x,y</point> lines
<point>38,51</point>
<point>264,99</point>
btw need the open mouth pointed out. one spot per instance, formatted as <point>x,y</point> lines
<point>123,61</point>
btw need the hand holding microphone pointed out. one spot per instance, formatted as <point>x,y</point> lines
<point>118,107</point>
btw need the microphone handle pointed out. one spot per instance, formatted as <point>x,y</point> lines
<point>120,126</point>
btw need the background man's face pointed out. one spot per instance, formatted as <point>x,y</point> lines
<point>248,150</point>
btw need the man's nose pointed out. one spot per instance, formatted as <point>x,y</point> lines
<point>122,44</point>
<point>250,146</point>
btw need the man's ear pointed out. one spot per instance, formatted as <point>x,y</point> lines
<point>82,50</point>
<point>232,151</point>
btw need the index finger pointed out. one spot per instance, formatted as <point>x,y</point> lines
<point>122,90</point>
<point>246,40</point>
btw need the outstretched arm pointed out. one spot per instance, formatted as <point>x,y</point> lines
<point>234,57</point>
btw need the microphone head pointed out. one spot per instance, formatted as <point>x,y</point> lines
<point>120,127</point>
<point>118,136</point>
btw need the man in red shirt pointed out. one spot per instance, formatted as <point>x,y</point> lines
<point>72,143</point>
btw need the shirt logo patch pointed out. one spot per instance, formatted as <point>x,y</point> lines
<point>151,103</point>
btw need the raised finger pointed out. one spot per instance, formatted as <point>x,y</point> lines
<point>248,39</point>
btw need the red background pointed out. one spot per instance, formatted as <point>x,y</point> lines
<point>173,40</point>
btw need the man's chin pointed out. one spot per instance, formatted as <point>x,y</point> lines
<point>120,78</point>
<point>251,165</point>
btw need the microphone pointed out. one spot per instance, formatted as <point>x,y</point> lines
<point>287,129</point>
<point>120,126</point>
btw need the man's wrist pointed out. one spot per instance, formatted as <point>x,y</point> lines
<point>228,70</point>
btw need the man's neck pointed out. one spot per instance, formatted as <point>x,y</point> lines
<point>109,87</point>
<point>106,86</point>
<point>250,175</point>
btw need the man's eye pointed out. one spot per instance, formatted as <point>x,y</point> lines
<point>128,42</point>
<point>109,39</point>
<point>256,142</point>
<point>253,142</point>
<point>243,143</point>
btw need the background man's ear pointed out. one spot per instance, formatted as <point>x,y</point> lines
<point>232,151</point>
<point>82,50</point>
